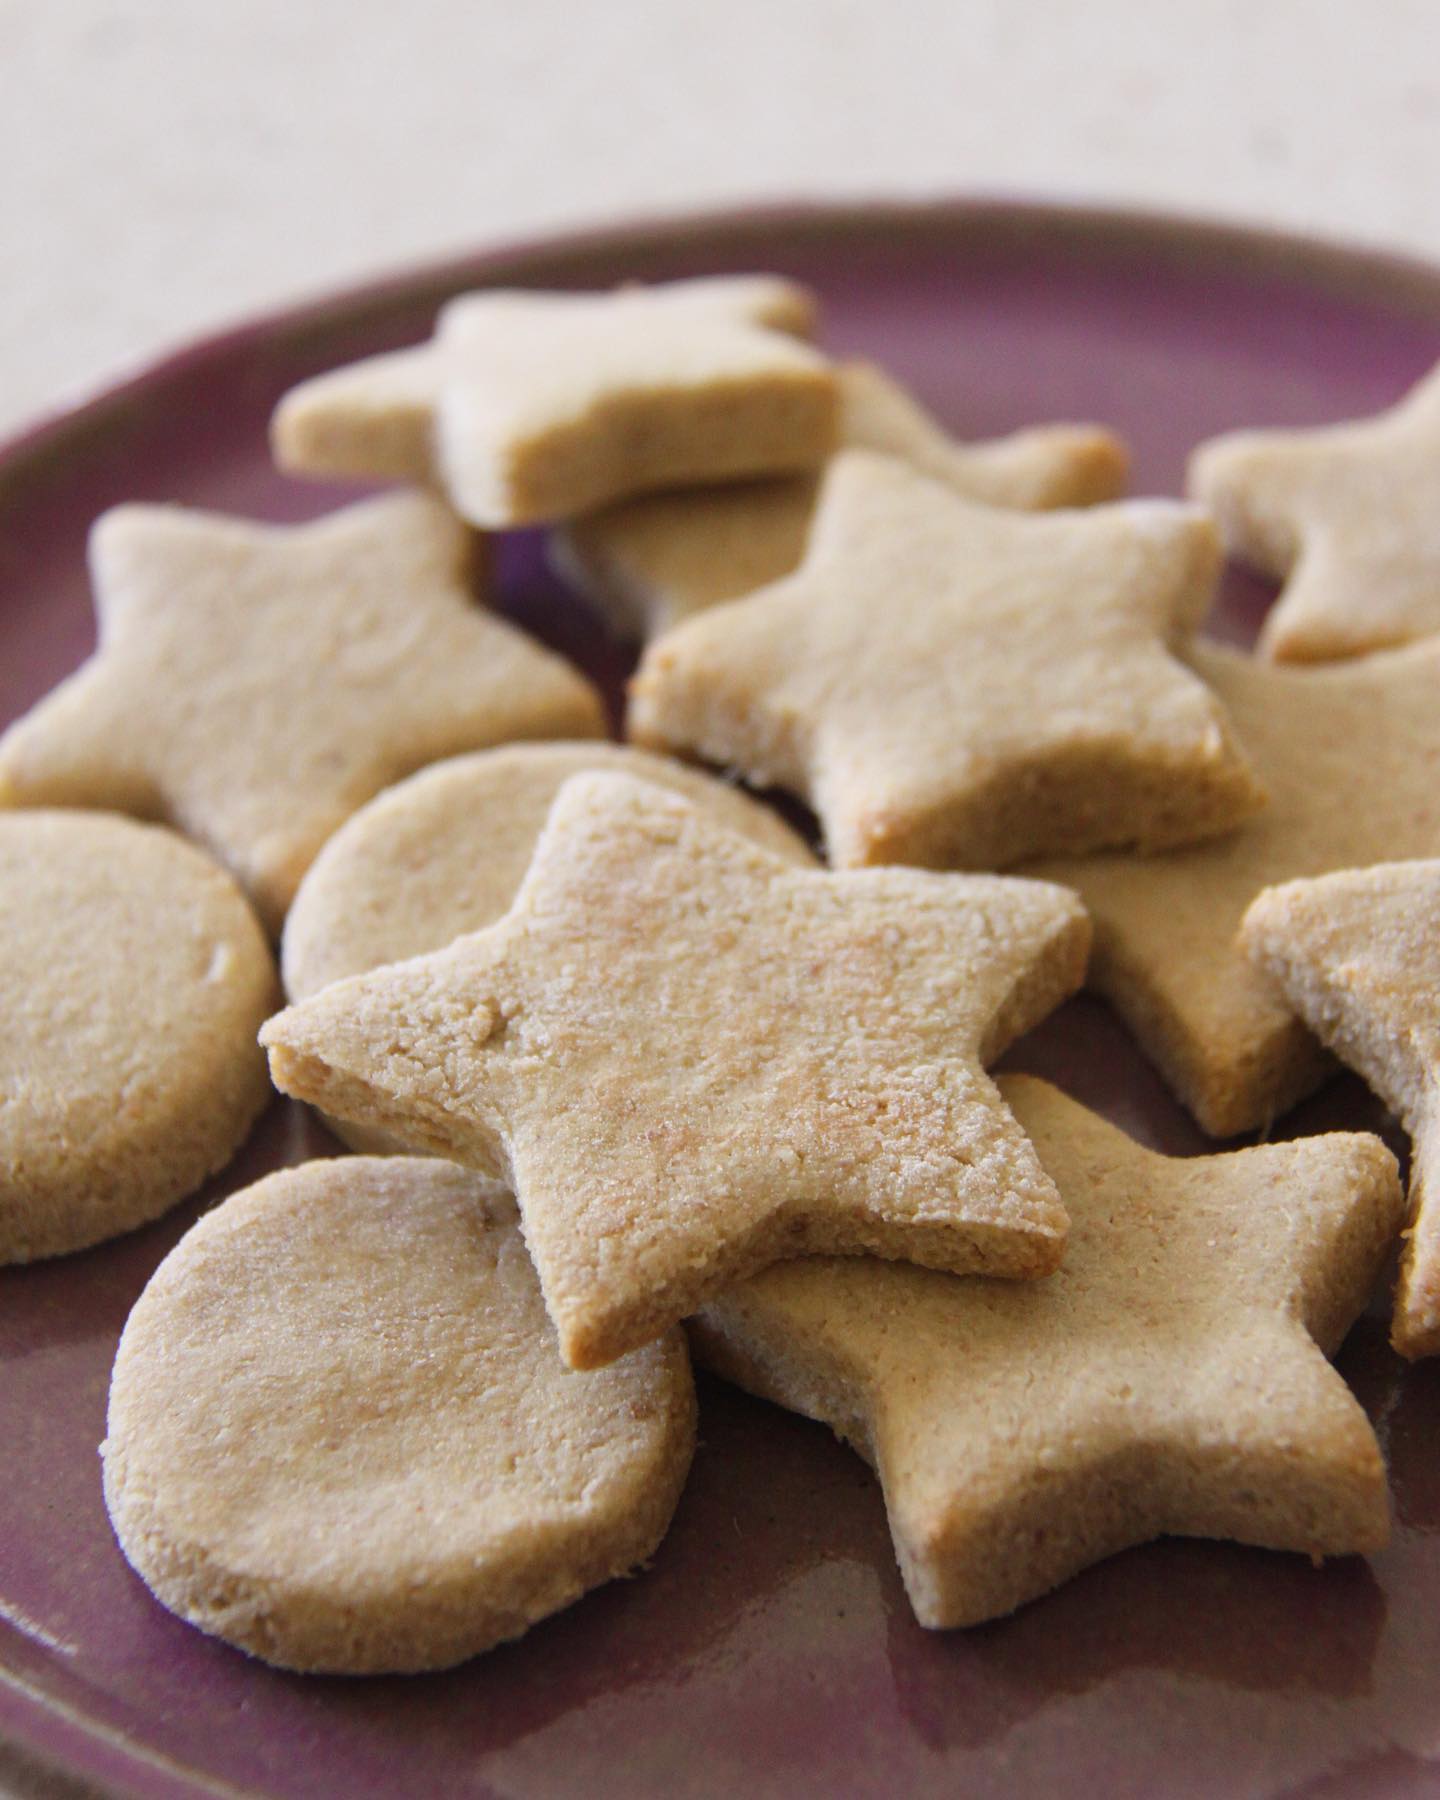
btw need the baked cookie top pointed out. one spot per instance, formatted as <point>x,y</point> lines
<point>651,562</point>
<point>1347,516</point>
<point>1357,954</point>
<point>951,685</point>
<point>254,684</point>
<point>1170,1377</point>
<point>693,1057</point>
<point>1348,755</point>
<point>341,1437</point>
<point>444,853</point>
<point>133,979</point>
<point>535,406</point>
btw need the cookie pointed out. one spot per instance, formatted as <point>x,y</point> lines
<point>693,1057</point>
<point>133,979</point>
<point>544,405</point>
<point>1170,1378</point>
<point>1348,754</point>
<point>1357,954</point>
<point>341,1439</point>
<point>1346,517</point>
<point>651,562</point>
<point>954,686</point>
<point>443,854</point>
<point>255,684</point>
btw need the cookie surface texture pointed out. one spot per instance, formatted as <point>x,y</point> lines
<point>133,979</point>
<point>552,404</point>
<point>341,1437</point>
<point>444,853</point>
<point>255,684</point>
<point>693,1057</point>
<point>954,686</point>
<point>1169,1378</point>
<point>1348,756</point>
<point>1357,954</point>
<point>1346,517</point>
<point>651,562</point>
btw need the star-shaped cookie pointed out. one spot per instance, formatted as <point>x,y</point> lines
<point>1357,954</point>
<point>651,562</point>
<point>536,406</point>
<point>690,1057</point>
<point>1348,517</point>
<point>955,686</point>
<point>1170,1378</point>
<point>1349,755</point>
<point>255,684</point>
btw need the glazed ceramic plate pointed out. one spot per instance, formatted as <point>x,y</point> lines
<point>769,1649</point>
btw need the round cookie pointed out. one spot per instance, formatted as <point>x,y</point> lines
<point>341,1436</point>
<point>133,980</point>
<point>444,852</point>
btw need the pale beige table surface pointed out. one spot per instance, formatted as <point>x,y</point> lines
<point>169,165</point>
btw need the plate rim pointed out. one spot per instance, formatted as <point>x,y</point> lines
<point>1407,281</point>
<point>94,1759</point>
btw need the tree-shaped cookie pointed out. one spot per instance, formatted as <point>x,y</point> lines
<point>1348,755</point>
<point>651,562</point>
<point>692,1057</point>
<point>955,686</point>
<point>254,684</point>
<point>1357,954</point>
<point>1347,516</point>
<point>534,406</point>
<point>1170,1378</point>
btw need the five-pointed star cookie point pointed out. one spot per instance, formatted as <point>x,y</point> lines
<point>1169,1378</point>
<point>692,1057</point>
<point>1357,954</point>
<point>951,685</point>
<point>1346,517</point>
<point>1348,754</point>
<point>255,684</point>
<point>552,404</point>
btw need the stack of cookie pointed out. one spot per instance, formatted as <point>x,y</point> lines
<point>618,1051</point>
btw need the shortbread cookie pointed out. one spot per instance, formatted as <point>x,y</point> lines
<point>376,419</point>
<point>1346,516</point>
<point>693,1057</point>
<point>1171,1378</point>
<point>1357,955</point>
<point>955,686</point>
<point>445,852</point>
<point>341,1436</point>
<point>255,684</point>
<point>651,562</point>
<point>536,406</point>
<point>133,979</point>
<point>1349,756</point>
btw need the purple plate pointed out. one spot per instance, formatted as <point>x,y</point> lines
<point>769,1649</point>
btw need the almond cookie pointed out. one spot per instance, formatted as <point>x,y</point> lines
<point>693,1057</point>
<point>1348,755</point>
<point>254,684</point>
<point>1346,516</point>
<point>1171,1378</point>
<point>444,853</point>
<point>1357,954</point>
<point>544,405</point>
<point>133,979</point>
<point>955,686</point>
<point>650,563</point>
<point>341,1438</point>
